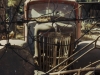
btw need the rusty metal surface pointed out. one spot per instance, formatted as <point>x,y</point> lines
<point>53,50</point>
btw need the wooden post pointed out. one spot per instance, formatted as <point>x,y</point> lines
<point>78,26</point>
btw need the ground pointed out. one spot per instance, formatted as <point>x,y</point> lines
<point>92,35</point>
<point>15,59</point>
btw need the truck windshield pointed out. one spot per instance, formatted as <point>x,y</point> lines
<point>52,9</point>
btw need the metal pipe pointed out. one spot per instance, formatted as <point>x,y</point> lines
<point>81,55</point>
<point>77,58</point>
<point>75,70</point>
<point>71,56</point>
<point>92,64</point>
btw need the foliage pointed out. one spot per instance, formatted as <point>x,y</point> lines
<point>13,2</point>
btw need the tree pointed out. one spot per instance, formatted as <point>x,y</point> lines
<point>12,13</point>
<point>13,3</point>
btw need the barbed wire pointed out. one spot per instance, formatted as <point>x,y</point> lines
<point>69,19</point>
<point>55,19</point>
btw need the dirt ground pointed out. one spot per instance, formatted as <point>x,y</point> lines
<point>90,37</point>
